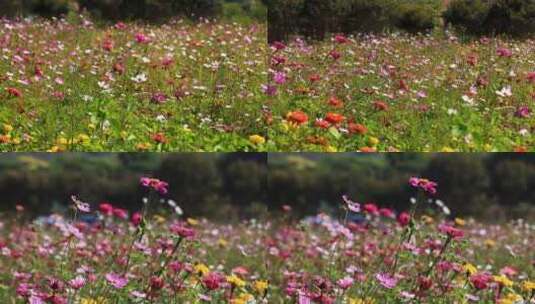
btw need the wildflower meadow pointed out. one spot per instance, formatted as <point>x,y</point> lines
<point>73,85</point>
<point>399,92</point>
<point>100,253</point>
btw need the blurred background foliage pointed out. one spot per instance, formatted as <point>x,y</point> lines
<point>227,187</point>
<point>485,186</point>
<point>148,10</point>
<point>316,19</point>
<point>224,186</point>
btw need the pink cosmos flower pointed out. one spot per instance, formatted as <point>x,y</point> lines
<point>386,280</point>
<point>81,206</point>
<point>106,208</point>
<point>279,78</point>
<point>181,230</point>
<point>404,218</point>
<point>77,282</point>
<point>120,213</point>
<point>341,39</point>
<point>531,77</point>
<point>213,280</point>
<point>523,112</point>
<point>116,280</point>
<point>159,98</point>
<point>136,218</point>
<point>142,38</point>
<point>345,282</point>
<point>351,205</point>
<point>424,184</point>
<point>454,233</point>
<point>277,45</point>
<point>504,52</point>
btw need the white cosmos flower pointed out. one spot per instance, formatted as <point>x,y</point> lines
<point>469,100</point>
<point>140,78</point>
<point>505,92</point>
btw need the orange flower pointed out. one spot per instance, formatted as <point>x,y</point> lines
<point>356,128</point>
<point>334,118</point>
<point>297,117</point>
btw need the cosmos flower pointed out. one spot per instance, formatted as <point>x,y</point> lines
<point>116,280</point>
<point>80,206</point>
<point>386,280</point>
<point>351,205</point>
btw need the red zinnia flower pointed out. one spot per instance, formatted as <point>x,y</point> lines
<point>334,118</point>
<point>335,102</point>
<point>380,105</point>
<point>14,92</point>
<point>159,138</point>
<point>297,117</point>
<point>356,128</point>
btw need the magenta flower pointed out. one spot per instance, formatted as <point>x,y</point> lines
<point>523,112</point>
<point>116,280</point>
<point>504,52</point>
<point>424,184</point>
<point>345,282</point>
<point>159,98</point>
<point>142,38</point>
<point>531,77</point>
<point>181,230</point>
<point>77,282</point>
<point>269,90</point>
<point>351,205</point>
<point>155,184</point>
<point>279,78</point>
<point>386,280</point>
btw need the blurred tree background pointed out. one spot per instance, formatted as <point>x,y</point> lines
<point>148,10</point>
<point>485,186</point>
<point>224,186</point>
<point>240,185</point>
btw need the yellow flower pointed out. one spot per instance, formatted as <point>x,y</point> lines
<point>469,268</point>
<point>243,298</point>
<point>62,141</point>
<point>235,280</point>
<point>510,298</point>
<point>427,219</point>
<point>159,219</point>
<point>361,301</point>
<point>330,149</point>
<point>192,222</point>
<point>257,139</point>
<point>460,221</point>
<point>201,269</point>
<point>54,149</point>
<point>143,146</point>
<point>373,141</point>
<point>8,128</point>
<point>503,280</point>
<point>285,127</point>
<point>222,243</point>
<point>447,150</point>
<point>83,139</point>
<point>528,286</point>
<point>260,286</point>
<point>490,243</point>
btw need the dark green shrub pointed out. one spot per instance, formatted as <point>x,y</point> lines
<point>415,18</point>
<point>47,8</point>
<point>510,17</point>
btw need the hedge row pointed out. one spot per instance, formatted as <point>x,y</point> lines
<point>152,10</point>
<point>317,18</point>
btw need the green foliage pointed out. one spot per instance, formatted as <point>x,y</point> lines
<point>510,17</point>
<point>150,10</point>
<point>314,18</point>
